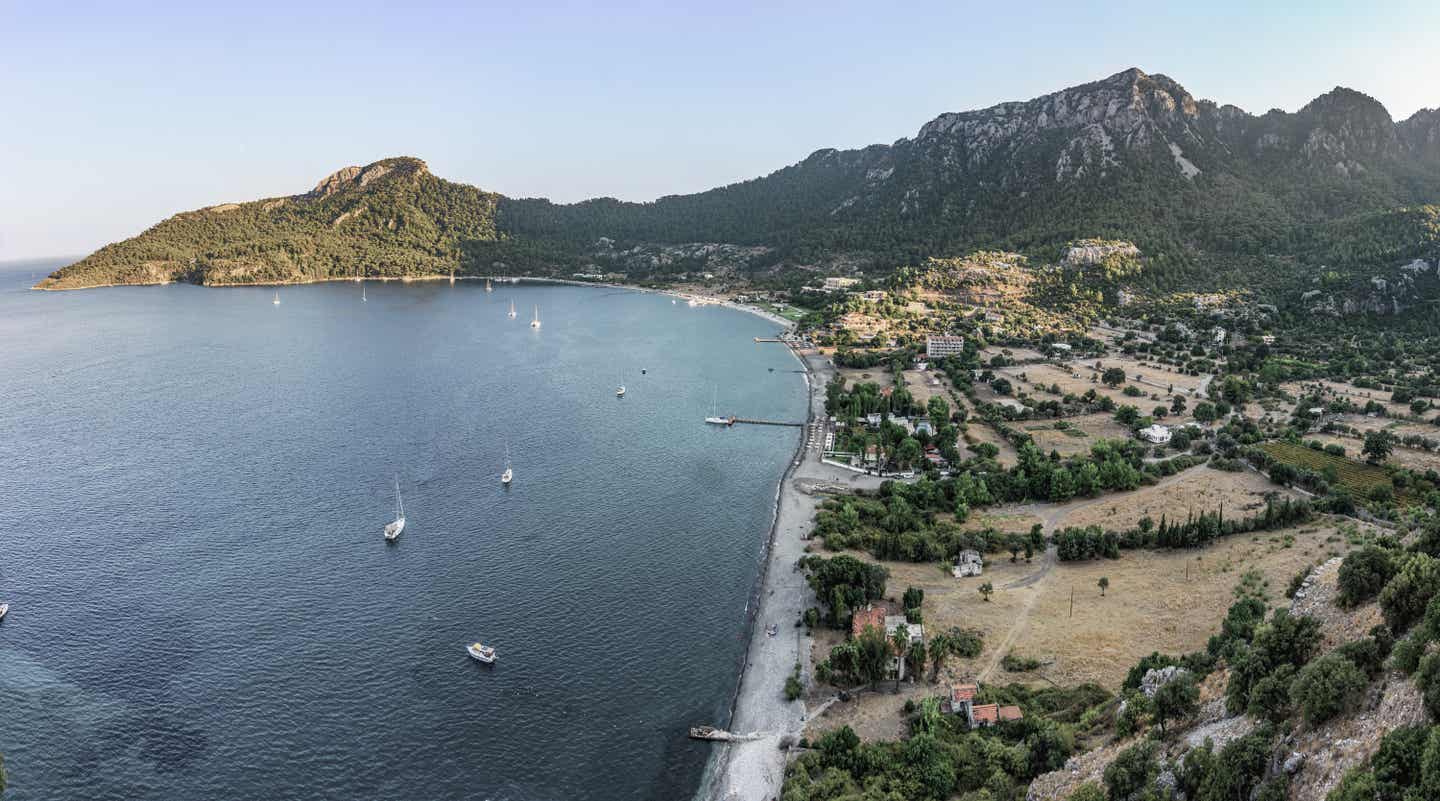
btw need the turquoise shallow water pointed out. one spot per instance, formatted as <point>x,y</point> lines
<point>194,483</point>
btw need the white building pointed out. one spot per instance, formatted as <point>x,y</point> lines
<point>832,284</point>
<point>1156,433</point>
<point>938,346</point>
<point>917,637</point>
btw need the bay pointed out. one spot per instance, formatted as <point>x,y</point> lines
<point>192,487</point>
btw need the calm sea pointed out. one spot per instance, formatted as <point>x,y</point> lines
<point>192,488</point>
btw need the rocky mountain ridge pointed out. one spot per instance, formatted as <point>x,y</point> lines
<point>1133,157</point>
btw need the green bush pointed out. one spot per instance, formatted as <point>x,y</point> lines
<point>1326,687</point>
<point>1363,575</point>
<point>1406,594</point>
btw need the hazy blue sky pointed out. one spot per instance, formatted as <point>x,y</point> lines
<point>115,115</point>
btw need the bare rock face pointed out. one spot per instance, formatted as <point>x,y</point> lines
<point>1155,678</point>
<point>361,177</point>
<point>333,182</point>
<point>1095,251</point>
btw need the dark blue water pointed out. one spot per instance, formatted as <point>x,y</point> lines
<point>192,488</point>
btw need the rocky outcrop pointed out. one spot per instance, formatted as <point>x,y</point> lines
<point>712,257</point>
<point>361,177</point>
<point>1404,287</point>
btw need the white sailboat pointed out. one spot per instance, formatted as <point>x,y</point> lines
<point>362,293</point>
<point>393,529</point>
<point>509,474</point>
<point>535,323</point>
<point>452,277</point>
<point>620,392</point>
<point>276,301</point>
<point>715,417</point>
<point>488,288</point>
<point>512,310</point>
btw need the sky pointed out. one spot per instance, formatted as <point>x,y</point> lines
<point>116,115</point>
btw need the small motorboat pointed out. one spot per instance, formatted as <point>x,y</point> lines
<point>481,652</point>
<point>3,609</point>
<point>772,629</point>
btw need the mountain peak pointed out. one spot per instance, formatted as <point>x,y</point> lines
<point>360,177</point>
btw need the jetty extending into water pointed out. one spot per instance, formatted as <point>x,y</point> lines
<point>735,420</point>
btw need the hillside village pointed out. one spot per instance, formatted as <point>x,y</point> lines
<point>1074,509</point>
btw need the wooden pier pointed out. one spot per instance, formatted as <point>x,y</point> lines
<point>735,420</point>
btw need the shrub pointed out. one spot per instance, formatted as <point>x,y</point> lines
<point>793,687</point>
<point>1363,575</point>
<point>1326,687</point>
<point>1132,771</point>
<point>1406,594</point>
<point>1427,678</point>
<point>1019,664</point>
<point>1270,697</point>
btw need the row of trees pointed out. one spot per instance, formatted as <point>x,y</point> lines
<point>1091,542</point>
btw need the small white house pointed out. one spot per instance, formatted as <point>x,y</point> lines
<point>1156,433</point>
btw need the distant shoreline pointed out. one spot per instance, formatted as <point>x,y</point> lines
<point>406,279</point>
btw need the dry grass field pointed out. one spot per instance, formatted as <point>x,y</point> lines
<point>922,388</point>
<point>1168,601</point>
<point>1080,434</point>
<point>1075,378</point>
<point>1335,389</point>
<point>1199,489</point>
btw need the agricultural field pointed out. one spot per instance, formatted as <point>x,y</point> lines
<point>1078,434</point>
<point>1012,354</point>
<point>1170,601</point>
<point>1356,477</point>
<point>1356,395</point>
<point>1199,489</point>
<point>1409,458</point>
<point>922,388</point>
<point>1077,378</point>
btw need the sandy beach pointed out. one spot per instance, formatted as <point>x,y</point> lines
<point>755,769</point>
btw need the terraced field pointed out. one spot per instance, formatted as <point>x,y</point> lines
<point>1356,477</point>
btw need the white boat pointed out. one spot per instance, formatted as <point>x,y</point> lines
<point>481,652</point>
<point>4,608</point>
<point>512,310</point>
<point>715,417</point>
<point>620,393</point>
<point>535,323</point>
<point>362,293</point>
<point>276,301</point>
<point>692,302</point>
<point>509,474</point>
<point>488,288</point>
<point>393,529</point>
<point>452,276</point>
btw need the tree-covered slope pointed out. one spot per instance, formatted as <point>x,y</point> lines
<point>391,218</point>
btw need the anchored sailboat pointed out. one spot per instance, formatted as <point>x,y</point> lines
<point>512,310</point>
<point>535,323</point>
<point>715,417</point>
<point>276,301</point>
<point>362,293</point>
<point>488,288</point>
<point>393,529</point>
<point>620,393</point>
